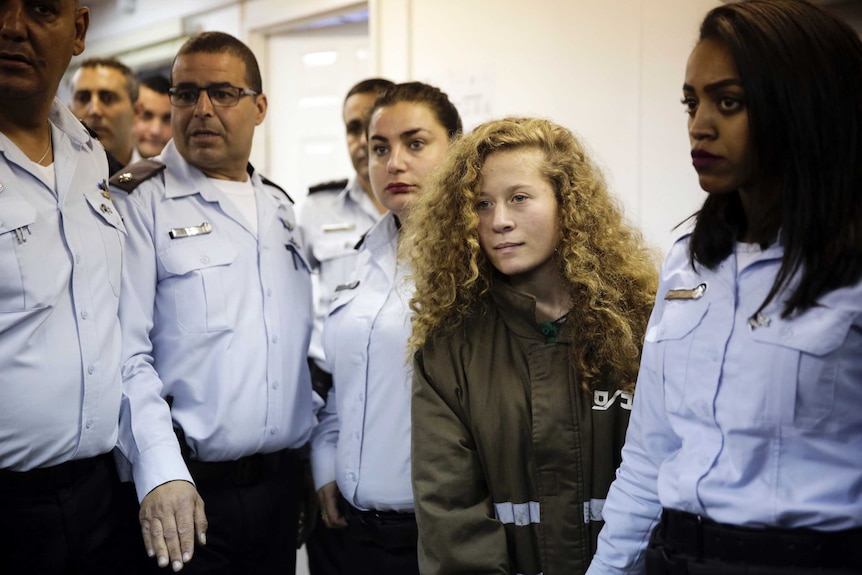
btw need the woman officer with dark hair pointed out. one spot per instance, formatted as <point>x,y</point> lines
<point>741,455</point>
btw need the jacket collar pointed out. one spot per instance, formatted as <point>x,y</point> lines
<point>518,311</point>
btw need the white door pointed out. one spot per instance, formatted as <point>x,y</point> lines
<point>309,73</point>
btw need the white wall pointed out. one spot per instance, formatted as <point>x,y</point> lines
<point>610,70</point>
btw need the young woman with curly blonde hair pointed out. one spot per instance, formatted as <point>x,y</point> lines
<point>532,297</point>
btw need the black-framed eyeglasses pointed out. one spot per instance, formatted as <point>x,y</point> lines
<point>221,95</point>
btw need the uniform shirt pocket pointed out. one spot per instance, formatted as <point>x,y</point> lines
<point>681,346</point>
<point>812,346</point>
<point>337,258</point>
<point>112,232</point>
<point>196,275</point>
<point>15,215</point>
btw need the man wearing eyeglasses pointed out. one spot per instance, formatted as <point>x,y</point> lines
<point>216,317</point>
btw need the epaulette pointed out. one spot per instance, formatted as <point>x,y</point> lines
<point>332,185</point>
<point>250,171</point>
<point>132,175</point>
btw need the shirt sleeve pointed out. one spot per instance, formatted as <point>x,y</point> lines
<point>324,442</point>
<point>632,508</point>
<point>146,435</point>
<point>457,530</point>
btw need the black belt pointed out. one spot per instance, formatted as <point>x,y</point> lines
<point>386,529</point>
<point>63,474</point>
<point>248,470</point>
<point>704,539</point>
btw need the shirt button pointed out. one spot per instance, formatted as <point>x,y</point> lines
<point>351,476</point>
<point>275,385</point>
<point>269,293</point>
<point>91,370</point>
<point>786,332</point>
<point>275,339</point>
<point>361,397</point>
<point>89,423</point>
<point>84,314</point>
<point>273,431</point>
<point>205,260</point>
<point>77,259</point>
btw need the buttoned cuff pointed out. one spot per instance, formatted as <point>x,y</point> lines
<point>158,465</point>
<point>322,464</point>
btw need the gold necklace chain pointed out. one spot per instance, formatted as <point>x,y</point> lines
<point>48,149</point>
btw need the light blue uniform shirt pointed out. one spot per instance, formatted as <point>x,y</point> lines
<point>332,222</point>
<point>60,264</point>
<point>220,321</point>
<point>750,422</point>
<point>363,438</point>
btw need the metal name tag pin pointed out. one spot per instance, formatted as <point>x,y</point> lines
<point>340,227</point>
<point>125,178</point>
<point>694,293</point>
<point>204,228</point>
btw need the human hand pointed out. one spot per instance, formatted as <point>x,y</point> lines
<point>171,515</point>
<point>328,497</point>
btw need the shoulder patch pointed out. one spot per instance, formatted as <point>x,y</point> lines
<point>331,185</point>
<point>132,175</point>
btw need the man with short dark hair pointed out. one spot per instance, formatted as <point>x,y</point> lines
<point>151,127</point>
<point>216,316</point>
<point>104,91</point>
<point>61,245</point>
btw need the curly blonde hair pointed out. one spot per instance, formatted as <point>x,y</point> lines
<point>610,272</point>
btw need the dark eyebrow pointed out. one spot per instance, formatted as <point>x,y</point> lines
<point>410,133</point>
<point>715,86</point>
<point>403,135</point>
<point>193,85</point>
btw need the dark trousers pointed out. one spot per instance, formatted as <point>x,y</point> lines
<point>687,544</point>
<point>380,543</point>
<point>325,548</point>
<point>67,520</point>
<point>252,525</point>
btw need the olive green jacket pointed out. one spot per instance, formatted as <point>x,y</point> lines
<point>512,460</point>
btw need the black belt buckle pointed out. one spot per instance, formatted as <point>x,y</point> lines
<point>388,530</point>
